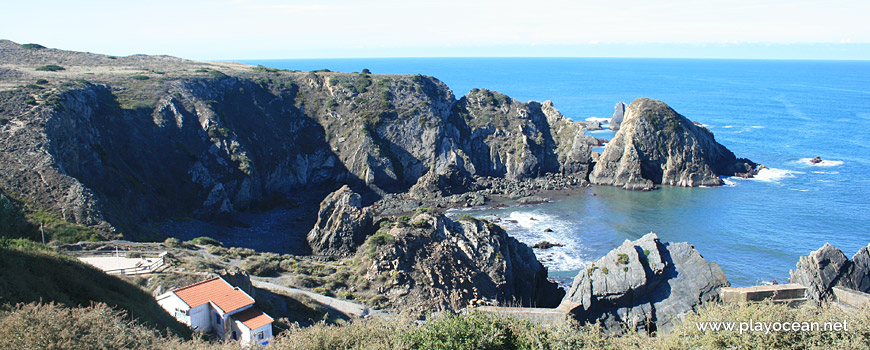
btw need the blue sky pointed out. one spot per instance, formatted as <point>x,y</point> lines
<point>252,29</point>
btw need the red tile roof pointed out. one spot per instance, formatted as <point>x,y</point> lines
<point>216,290</point>
<point>253,318</point>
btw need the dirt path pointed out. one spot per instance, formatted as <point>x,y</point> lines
<point>344,306</point>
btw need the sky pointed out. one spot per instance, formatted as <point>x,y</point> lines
<point>276,29</point>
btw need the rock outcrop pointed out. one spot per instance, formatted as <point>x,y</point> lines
<point>618,116</point>
<point>205,140</point>
<point>656,145</point>
<point>645,284</point>
<point>342,224</point>
<point>434,263</point>
<point>827,268</point>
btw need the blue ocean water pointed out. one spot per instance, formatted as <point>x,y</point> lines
<point>776,112</point>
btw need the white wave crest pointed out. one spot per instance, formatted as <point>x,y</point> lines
<point>773,174</point>
<point>822,163</point>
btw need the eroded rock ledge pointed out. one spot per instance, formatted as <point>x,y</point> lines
<point>645,284</point>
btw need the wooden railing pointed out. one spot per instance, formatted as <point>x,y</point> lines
<point>141,268</point>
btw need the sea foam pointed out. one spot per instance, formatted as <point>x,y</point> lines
<point>824,162</point>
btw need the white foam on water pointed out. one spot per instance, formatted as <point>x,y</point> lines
<point>824,162</point>
<point>773,175</point>
<point>799,190</point>
<point>728,182</point>
<point>728,126</point>
<point>757,127</point>
<point>529,226</point>
<point>826,172</point>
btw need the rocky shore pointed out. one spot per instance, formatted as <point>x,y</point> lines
<point>121,147</point>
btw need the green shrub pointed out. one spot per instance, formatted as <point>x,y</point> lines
<point>262,68</point>
<point>30,101</point>
<point>140,77</point>
<point>217,74</point>
<point>466,217</point>
<point>41,81</point>
<point>622,259</point>
<point>50,68</point>
<point>420,224</point>
<point>260,266</point>
<point>173,242</point>
<point>141,105</point>
<point>205,240</point>
<point>61,231</point>
<point>32,46</point>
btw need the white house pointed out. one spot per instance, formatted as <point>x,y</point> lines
<point>215,305</point>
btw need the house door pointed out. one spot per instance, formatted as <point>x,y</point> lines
<point>234,336</point>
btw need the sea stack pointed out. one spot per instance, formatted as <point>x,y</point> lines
<point>618,115</point>
<point>657,145</point>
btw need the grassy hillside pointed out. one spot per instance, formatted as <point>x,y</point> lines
<point>30,273</point>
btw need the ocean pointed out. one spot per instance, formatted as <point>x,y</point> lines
<point>779,113</point>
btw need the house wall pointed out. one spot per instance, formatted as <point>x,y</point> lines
<point>249,336</point>
<point>267,333</point>
<point>171,302</point>
<point>199,318</point>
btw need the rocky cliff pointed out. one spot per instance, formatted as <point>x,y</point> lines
<point>114,143</point>
<point>827,268</point>
<point>656,145</point>
<point>429,262</point>
<point>342,224</point>
<point>645,284</point>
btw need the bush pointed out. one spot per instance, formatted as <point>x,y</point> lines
<point>56,229</point>
<point>50,68</point>
<point>140,77</point>
<point>464,217</point>
<point>41,81</point>
<point>260,266</point>
<point>622,259</point>
<point>217,74</point>
<point>205,240</point>
<point>32,46</point>
<point>420,224</point>
<point>173,242</point>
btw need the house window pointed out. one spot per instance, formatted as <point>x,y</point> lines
<point>260,335</point>
<point>217,318</point>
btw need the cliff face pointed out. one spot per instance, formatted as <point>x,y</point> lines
<point>149,138</point>
<point>656,145</point>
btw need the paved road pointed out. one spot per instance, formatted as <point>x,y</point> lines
<point>343,306</point>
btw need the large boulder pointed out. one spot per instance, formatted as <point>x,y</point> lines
<point>827,268</point>
<point>645,285</point>
<point>618,115</point>
<point>342,224</point>
<point>437,264</point>
<point>656,145</point>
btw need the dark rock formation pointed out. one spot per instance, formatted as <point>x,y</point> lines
<point>816,160</point>
<point>618,116</point>
<point>438,264</point>
<point>546,244</point>
<point>342,224</point>
<point>644,284</point>
<point>827,268</point>
<point>656,145</point>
